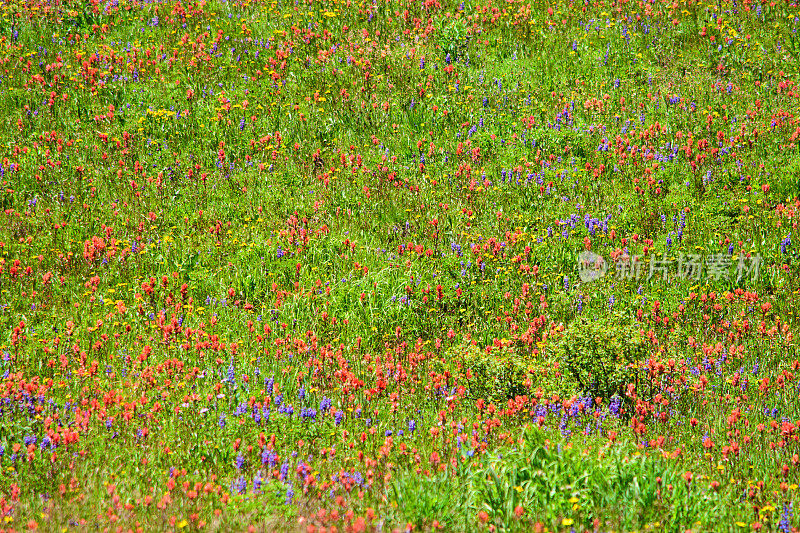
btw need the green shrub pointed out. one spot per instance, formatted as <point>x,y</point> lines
<point>496,376</point>
<point>453,39</point>
<point>601,355</point>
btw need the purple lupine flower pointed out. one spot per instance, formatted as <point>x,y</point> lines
<point>230,377</point>
<point>325,404</point>
<point>614,406</point>
<point>785,525</point>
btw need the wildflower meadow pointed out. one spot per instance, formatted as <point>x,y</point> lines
<point>399,265</point>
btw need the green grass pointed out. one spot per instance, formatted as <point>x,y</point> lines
<point>297,266</point>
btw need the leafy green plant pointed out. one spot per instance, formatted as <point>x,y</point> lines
<point>496,377</point>
<point>453,39</point>
<point>421,500</point>
<point>601,355</point>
